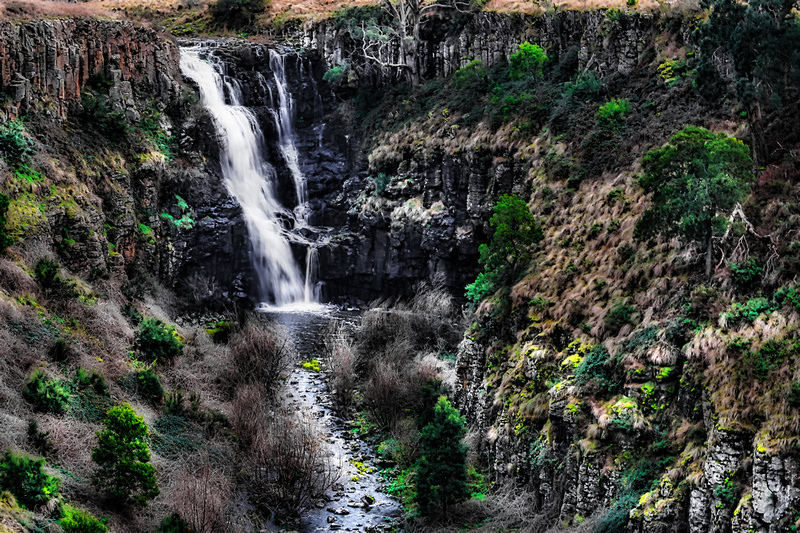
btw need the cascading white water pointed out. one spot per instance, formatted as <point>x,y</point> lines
<point>284,120</point>
<point>312,274</point>
<point>250,178</point>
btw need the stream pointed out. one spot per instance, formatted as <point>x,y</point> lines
<point>354,503</point>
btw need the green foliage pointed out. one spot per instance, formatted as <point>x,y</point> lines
<point>748,274</point>
<point>727,492</point>
<point>613,111</point>
<point>15,144</point>
<point>45,393</point>
<point>110,124</point>
<point>76,520</point>
<point>150,124</point>
<point>794,394</point>
<point>441,478</point>
<point>619,315</point>
<point>6,240</point>
<point>237,14</point>
<point>595,369</point>
<point>759,363</point>
<point>313,365</point>
<point>694,178</point>
<point>93,380</point>
<point>220,331</point>
<point>527,61</point>
<point>47,273</point>
<point>25,478</point>
<point>595,230</point>
<point>788,296</point>
<point>149,385</point>
<point>381,182</point>
<point>123,457</point>
<point>157,341</point>
<point>338,74</point>
<point>515,229</point>
<point>472,72</point>
<point>173,524</point>
<point>635,481</point>
<point>748,311</point>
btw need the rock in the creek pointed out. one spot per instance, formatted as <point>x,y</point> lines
<point>332,519</point>
<point>339,511</point>
<point>337,487</point>
<point>367,499</point>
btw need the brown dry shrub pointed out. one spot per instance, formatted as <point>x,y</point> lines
<point>247,413</point>
<point>290,465</point>
<point>24,10</point>
<point>201,494</point>
<point>342,365</point>
<point>14,280</point>
<point>259,353</point>
<point>384,393</point>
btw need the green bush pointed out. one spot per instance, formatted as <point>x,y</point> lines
<point>236,14</point>
<point>441,478</point>
<point>619,315</point>
<point>123,458</point>
<point>749,311</point>
<point>156,341</point>
<point>173,524</point>
<point>25,478</point>
<point>111,124</point>
<point>381,182</point>
<point>788,296</point>
<point>748,274</point>
<point>76,520</point>
<point>515,229</point>
<point>337,75</point>
<point>220,332</point>
<point>45,393</point>
<point>472,72</point>
<point>15,144</point>
<point>595,369</point>
<point>527,61</point>
<point>92,380</point>
<point>6,240</point>
<point>150,385</point>
<point>613,111</point>
<point>759,363</point>
<point>47,273</point>
<point>794,394</point>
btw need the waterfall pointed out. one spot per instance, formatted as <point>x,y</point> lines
<point>250,178</point>
<point>284,120</point>
<point>311,289</point>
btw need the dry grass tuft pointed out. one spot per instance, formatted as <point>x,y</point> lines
<point>26,10</point>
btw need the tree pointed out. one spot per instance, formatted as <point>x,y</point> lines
<point>441,477</point>
<point>528,60</point>
<point>762,38</point>
<point>380,39</point>
<point>694,179</point>
<point>515,229</point>
<point>26,479</point>
<point>157,341</point>
<point>122,454</point>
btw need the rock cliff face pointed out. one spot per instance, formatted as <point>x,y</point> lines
<point>54,61</point>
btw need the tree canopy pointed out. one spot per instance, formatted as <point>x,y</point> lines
<point>694,179</point>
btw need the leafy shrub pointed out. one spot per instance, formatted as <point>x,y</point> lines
<point>794,394</point>
<point>470,73</point>
<point>25,478</point>
<point>619,315</point>
<point>595,369</point>
<point>727,492</point>
<point>748,274</point>
<point>220,332</point>
<point>123,458</point>
<point>92,380</point>
<point>47,273</point>
<point>156,341</point>
<point>45,393</point>
<point>173,524</point>
<point>613,111</point>
<point>150,124</point>
<point>150,385</point>
<point>15,144</point>
<point>236,14</point>
<point>6,240</point>
<point>79,521</point>
<point>381,182</point>
<point>528,60</point>
<point>748,312</point>
<point>515,229</point>
<point>788,296</point>
<point>111,124</point>
<point>441,478</point>
<point>595,230</point>
<point>337,75</point>
<point>759,363</point>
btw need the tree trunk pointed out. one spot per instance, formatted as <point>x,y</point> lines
<point>709,254</point>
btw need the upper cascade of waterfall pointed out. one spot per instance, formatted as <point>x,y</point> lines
<point>252,180</point>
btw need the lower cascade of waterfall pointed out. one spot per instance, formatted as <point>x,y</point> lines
<point>252,180</point>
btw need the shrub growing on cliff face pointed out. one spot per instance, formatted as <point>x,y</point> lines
<point>694,179</point>
<point>45,393</point>
<point>157,341</point>
<point>528,60</point>
<point>237,14</point>
<point>15,145</point>
<point>24,478</point>
<point>79,521</point>
<point>123,457</point>
<point>442,472</point>
<point>515,230</point>
<point>5,239</point>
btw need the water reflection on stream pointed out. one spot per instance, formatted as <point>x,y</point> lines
<point>354,504</point>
